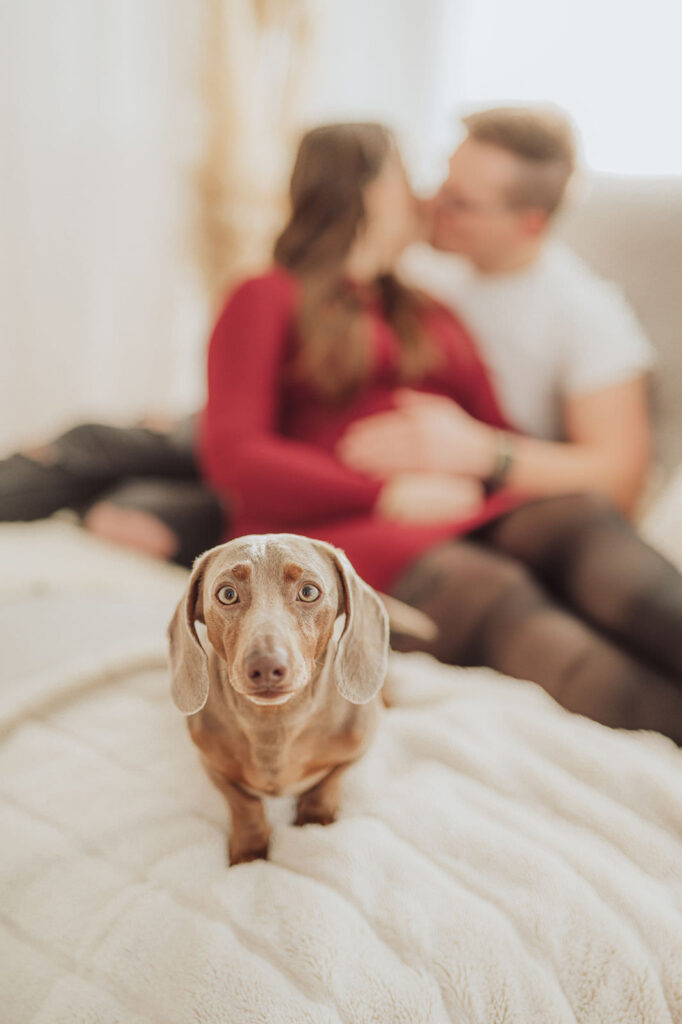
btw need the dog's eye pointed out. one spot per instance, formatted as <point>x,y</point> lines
<point>228,595</point>
<point>309,592</point>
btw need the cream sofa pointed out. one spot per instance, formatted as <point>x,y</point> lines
<point>630,230</point>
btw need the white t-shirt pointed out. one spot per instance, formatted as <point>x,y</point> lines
<point>550,330</point>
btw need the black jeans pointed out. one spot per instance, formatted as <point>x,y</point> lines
<point>133,467</point>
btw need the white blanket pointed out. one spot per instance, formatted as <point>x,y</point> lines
<point>495,859</point>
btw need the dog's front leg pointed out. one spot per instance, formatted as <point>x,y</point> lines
<point>250,832</point>
<point>318,806</point>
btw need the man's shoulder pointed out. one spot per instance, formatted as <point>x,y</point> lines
<point>573,277</point>
<point>600,333</point>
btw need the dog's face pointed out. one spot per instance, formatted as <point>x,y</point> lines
<point>269,609</point>
<point>269,603</point>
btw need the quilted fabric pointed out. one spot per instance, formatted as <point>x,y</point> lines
<point>495,859</point>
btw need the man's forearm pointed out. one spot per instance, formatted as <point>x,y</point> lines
<point>546,468</point>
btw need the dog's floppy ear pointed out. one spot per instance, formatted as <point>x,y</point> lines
<point>189,665</point>
<point>362,651</point>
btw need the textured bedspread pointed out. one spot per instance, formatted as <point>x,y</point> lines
<point>495,859</point>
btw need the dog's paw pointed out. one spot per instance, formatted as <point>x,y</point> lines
<point>314,816</point>
<point>242,855</point>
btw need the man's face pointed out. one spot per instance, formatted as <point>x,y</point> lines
<point>472,212</point>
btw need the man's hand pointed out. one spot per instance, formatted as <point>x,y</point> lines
<point>429,498</point>
<point>425,434</point>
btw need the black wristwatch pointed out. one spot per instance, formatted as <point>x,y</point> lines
<point>504,458</point>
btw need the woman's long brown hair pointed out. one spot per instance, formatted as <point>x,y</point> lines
<point>333,166</point>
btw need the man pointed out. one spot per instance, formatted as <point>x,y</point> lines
<point>567,356</point>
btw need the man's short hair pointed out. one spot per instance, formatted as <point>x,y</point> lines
<point>544,142</point>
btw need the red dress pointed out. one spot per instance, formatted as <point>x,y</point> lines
<point>269,444</point>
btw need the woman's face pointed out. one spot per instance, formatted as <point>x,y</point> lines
<point>391,215</point>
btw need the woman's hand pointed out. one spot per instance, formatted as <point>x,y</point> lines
<point>425,434</point>
<point>428,498</point>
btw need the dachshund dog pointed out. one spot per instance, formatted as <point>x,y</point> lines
<point>284,695</point>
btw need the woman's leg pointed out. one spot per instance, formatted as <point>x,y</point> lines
<point>172,519</point>
<point>584,551</point>
<point>491,611</point>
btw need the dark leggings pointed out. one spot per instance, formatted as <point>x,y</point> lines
<point>562,592</point>
<point>137,468</point>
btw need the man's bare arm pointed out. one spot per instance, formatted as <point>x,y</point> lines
<point>607,447</point>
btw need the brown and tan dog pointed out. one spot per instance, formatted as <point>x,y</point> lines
<point>285,699</point>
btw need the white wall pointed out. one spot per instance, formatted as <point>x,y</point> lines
<point>613,64</point>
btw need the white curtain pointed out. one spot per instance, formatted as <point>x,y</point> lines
<point>102,311</point>
<point>253,81</point>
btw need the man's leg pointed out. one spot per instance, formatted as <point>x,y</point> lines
<point>172,519</point>
<point>588,555</point>
<point>491,611</point>
<point>72,469</point>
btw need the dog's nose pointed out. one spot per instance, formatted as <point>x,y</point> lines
<point>267,670</point>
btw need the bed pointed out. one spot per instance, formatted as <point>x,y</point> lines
<point>496,859</point>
